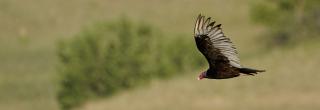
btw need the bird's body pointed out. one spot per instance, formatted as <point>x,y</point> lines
<point>219,51</point>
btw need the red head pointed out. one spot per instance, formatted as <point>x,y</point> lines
<point>202,75</point>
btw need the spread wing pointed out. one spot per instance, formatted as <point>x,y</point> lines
<point>213,44</point>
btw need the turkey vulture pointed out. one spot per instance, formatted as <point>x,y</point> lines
<point>219,51</point>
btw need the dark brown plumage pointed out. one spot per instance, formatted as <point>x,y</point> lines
<point>219,51</point>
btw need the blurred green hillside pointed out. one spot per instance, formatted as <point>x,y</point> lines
<point>116,56</point>
<point>30,29</point>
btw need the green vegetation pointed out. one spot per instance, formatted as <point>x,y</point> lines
<point>116,56</point>
<point>29,32</point>
<point>29,79</point>
<point>288,21</point>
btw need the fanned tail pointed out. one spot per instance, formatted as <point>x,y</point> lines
<point>250,71</point>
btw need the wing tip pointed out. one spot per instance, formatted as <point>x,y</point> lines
<point>219,25</point>
<point>200,25</point>
<point>204,25</point>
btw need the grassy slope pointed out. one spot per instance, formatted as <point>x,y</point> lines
<point>290,83</point>
<point>29,30</point>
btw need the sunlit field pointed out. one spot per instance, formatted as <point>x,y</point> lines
<point>29,32</point>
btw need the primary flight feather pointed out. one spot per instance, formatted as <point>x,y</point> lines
<point>219,51</point>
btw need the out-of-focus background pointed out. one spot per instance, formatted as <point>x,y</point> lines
<point>141,55</point>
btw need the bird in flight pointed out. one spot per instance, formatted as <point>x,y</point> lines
<point>219,51</point>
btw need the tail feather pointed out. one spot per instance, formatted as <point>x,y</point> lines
<point>250,71</point>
